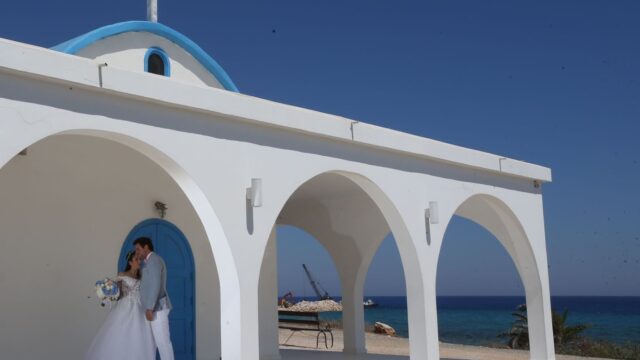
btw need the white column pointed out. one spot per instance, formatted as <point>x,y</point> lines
<point>540,325</point>
<point>268,295</point>
<point>353,312</point>
<point>420,276</point>
<point>240,335</point>
<point>535,276</point>
<point>423,319</point>
<point>431,312</point>
<point>240,324</point>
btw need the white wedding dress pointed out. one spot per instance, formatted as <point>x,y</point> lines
<point>126,333</point>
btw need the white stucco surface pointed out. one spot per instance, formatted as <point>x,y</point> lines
<point>346,183</point>
<point>68,207</point>
<point>127,51</point>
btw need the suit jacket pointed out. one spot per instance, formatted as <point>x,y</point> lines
<point>153,285</point>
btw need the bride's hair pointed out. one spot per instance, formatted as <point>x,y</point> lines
<point>130,257</point>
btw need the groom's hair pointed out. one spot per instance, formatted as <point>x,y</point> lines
<point>143,241</point>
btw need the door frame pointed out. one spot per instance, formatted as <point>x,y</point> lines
<point>128,246</point>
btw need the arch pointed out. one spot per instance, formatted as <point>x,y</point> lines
<point>192,191</point>
<point>389,210</point>
<point>222,256</point>
<point>501,221</point>
<point>512,229</point>
<point>76,44</point>
<point>412,268</point>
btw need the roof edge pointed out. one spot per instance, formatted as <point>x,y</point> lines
<point>33,63</point>
<point>74,45</point>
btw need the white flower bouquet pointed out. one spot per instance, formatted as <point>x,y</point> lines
<point>107,291</point>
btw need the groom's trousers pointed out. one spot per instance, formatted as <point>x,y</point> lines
<point>160,329</point>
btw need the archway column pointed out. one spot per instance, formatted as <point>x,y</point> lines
<point>521,231</point>
<point>240,321</point>
<point>353,309</point>
<point>405,215</point>
<point>420,277</point>
<point>351,269</point>
<point>351,229</point>
<point>268,294</point>
<point>539,321</point>
<point>517,221</point>
<point>535,277</point>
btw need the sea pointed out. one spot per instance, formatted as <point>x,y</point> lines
<point>478,320</point>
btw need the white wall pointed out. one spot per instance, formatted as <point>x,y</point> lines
<point>66,209</point>
<point>127,51</point>
<point>214,157</point>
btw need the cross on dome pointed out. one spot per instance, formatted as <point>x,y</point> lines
<point>152,10</point>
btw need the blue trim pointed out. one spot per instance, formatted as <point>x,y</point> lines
<point>163,55</point>
<point>74,45</point>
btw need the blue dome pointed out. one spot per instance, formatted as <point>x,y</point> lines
<point>76,44</point>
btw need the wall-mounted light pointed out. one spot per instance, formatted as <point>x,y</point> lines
<point>431,213</point>
<point>161,208</point>
<point>254,193</point>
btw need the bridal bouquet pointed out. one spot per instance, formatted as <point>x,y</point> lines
<point>107,291</point>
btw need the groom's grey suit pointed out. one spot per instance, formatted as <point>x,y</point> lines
<point>153,286</point>
<point>153,296</point>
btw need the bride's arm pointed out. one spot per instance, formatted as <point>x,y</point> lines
<point>121,285</point>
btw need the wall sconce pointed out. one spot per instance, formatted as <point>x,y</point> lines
<point>432,212</point>
<point>161,208</point>
<point>254,193</point>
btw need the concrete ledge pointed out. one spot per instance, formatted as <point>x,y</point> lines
<point>36,62</point>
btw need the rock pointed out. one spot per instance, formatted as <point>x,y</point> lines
<point>319,306</point>
<point>382,328</point>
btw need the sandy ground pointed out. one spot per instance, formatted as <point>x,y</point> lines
<point>382,344</point>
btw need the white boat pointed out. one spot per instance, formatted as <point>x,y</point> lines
<point>369,303</point>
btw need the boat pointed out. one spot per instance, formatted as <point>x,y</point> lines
<point>369,303</point>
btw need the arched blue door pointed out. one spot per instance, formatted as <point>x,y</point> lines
<point>173,247</point>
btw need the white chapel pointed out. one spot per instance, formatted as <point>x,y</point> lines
<point>132,129</point>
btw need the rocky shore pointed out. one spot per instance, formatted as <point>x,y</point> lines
<point>319,306</point>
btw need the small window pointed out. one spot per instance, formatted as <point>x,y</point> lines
<point>157,62</point>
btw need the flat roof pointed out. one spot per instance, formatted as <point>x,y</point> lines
<point>32,61</point>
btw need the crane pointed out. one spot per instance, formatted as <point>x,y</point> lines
<point>316,285</point>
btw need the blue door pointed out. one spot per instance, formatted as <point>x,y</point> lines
<point>173,247</point>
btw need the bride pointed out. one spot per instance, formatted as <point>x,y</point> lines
<point>125,334</point>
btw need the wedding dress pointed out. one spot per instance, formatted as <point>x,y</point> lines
<point>126,333</point>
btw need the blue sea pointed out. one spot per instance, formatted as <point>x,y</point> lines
<point>474,320</point>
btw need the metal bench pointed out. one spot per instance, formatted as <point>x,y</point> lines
<point>304,321</point>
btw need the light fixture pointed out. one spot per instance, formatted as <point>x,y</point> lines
<point>432,212</point>
<point>161,208</point>
<point>254,193</point>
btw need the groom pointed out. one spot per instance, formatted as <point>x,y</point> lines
<point>153,295</point>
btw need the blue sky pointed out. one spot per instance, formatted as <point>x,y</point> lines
<point>549,82</point>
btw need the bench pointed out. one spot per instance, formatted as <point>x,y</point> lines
<point>304,321</point>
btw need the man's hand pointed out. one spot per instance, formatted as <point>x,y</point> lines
<point>149,315</point>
